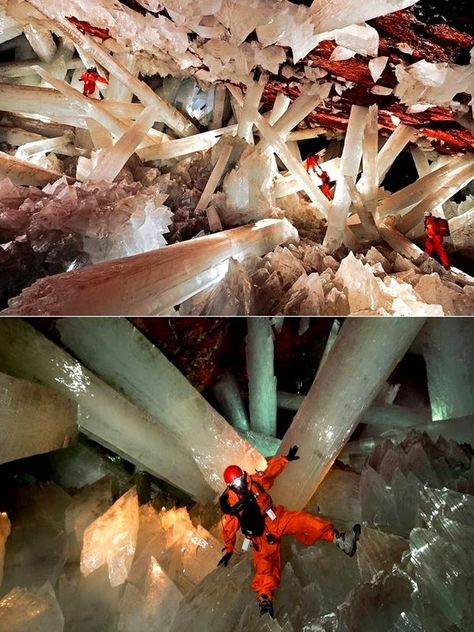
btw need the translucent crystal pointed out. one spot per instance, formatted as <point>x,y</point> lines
<point>105,414</point>
<point>34,419</point>
<point>177,405</point>
<point>262,381</point>
<point>111,539</point>
<point>231,404</point>
<point>374,347</point>
<point>448,352</point>
<point>31,611</point>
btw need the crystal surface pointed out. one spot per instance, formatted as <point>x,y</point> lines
<point>31,611</point>
<point>112,538</point>
<point>33,419</point>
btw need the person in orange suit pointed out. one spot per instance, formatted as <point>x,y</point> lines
<point>90,77</point>
<point>436,228</point>
<point>247,505</point>
<point>312,164</point>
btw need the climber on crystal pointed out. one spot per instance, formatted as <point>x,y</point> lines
<point>247,505</point>
<point>90,77</point>
<point>435,229</point>
<point>312,163</point>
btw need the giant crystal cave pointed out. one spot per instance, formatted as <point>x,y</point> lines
<point>235,157</point>
<point>114,434</point>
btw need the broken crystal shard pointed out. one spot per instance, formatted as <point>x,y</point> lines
<point>367,350</point>
<point>262,380</point>
<point>361,38</point>
<point>231,403</point>
<point>33,419</point>
<point>377,66</point>
<point>448,349</point>
<point>31,611</point>
<point>153,609</point>
<point>5,528</point>
<point>104,414</point>
<point>111,539</point>
<point>177,406</point>
<point>153,282</point>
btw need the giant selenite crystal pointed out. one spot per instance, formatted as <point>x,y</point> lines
<point>365,353</point>
<point>33,419</point>
<point>27,611</point>
<point>262,380</point>
<point>448,349</point>
<point>153,383</point>
<point>104,414</point>
<point>112,539</point>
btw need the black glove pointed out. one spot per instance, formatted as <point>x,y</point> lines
<point>291,456</point>
<point>225,559</point>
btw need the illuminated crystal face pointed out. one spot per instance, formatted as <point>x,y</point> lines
<point>112,539</point>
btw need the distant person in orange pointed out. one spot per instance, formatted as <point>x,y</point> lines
<point>312,164</point>
<point>90,78</point>
<point>436,228</point>
<point>247,506</point>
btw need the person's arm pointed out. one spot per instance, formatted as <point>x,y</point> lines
<point>275,467</point>
<point>230,526</point>
<point>102,79</point>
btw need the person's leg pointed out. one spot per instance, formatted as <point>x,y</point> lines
<point>305,527</point>
<point>429,246</point>
<point>442,254</point>
<point>267,566</point>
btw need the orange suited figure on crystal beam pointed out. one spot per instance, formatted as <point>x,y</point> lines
<point>436,228</point>
<point>312,163</point>
<point>246,505</point>
<point>90,77</point>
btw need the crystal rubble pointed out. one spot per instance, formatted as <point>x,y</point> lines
<point>230,401</point>
<point>104,414</point>
<point>261,378</point>
<point>34,419</point>
<point>5,528</point>
<point>373,361</point>
<point>111,539</point>
<point>177,406</point>
<point>31,611</point>
<point>151,283</point>
<point>448,352</point>
<point>66,226</point>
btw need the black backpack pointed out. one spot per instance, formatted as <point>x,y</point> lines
<point>247,511</point>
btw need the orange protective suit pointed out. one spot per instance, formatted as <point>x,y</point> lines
<point>266,548</point>
<point>435,229</point>
<point>90,78</point>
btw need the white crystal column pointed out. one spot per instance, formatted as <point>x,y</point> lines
<point>329,344</point>
<point>119,353</point>
<point>5,528</point>
<point>229,397</point>
<point>104,414</point>
<point>350,161</point>
<point>33,419</point>
<point>155,281</point>
<point>364,355</point>
<point>448,349</point>
<point>261,374</point>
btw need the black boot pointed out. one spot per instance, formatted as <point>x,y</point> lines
<point>347,542</point>
<point>266,605</point>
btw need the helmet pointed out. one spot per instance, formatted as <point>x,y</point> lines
<point>231,473</point>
